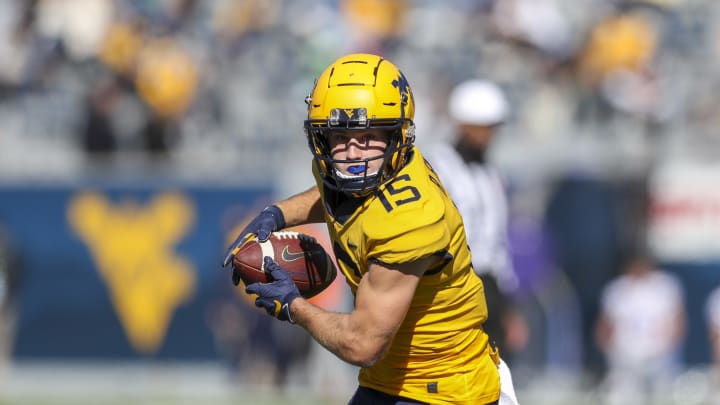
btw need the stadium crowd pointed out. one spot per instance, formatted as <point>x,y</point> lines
<point>605,95</point>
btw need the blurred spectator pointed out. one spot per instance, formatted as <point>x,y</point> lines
<point>623,62</point>
<point>121,46</point>
<point>713,322</point>
<point>16,22</point>
<point>167,80</point>
<point>234,19</point>
<point>619,42</point>
<point>67,23</point>
<point>478,108</point>
<point>31,50</point>
<point>139,67</point>
<point>8,289</point>
<point>375,23</point>
<point>539,24</point>
<point>640,330</point>
<point>99,134</point>
<point>166,77</point>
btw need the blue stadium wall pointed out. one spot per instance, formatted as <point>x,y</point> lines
<point>121,271</point>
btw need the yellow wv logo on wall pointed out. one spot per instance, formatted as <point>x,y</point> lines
<point>132,247</point>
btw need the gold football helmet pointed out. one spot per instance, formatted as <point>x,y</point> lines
<point>360,92</point>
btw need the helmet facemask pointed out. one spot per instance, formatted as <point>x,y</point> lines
<point>393,156</point>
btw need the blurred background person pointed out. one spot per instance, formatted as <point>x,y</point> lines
<point>713,320</point>
<point>478,108</point>
<point>8,290</point>
<point>640,331</point>
<point>374,26</point>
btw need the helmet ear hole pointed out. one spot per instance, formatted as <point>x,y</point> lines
<point>410,133</point>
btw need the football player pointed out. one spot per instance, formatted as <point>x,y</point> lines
<point>416,326</point>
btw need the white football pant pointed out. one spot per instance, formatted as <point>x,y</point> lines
<point>507,390</point>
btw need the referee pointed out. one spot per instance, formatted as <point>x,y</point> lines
<point>477,108</point>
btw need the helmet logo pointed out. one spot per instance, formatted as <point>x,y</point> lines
<point>338,115</point>
<point>402,84</point>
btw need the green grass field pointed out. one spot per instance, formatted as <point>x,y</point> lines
<point>211,384</point>
<point>156,384</point>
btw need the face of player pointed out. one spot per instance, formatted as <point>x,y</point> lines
<point>364,147</point>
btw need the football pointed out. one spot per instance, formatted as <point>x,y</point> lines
<point>304,259</point>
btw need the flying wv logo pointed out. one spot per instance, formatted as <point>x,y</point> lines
<point>132,247</point>
<point>402,84</point>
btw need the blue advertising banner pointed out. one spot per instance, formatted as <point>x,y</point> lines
<point>121,271</point>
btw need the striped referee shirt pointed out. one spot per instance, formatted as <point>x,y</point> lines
<point>479,194</point>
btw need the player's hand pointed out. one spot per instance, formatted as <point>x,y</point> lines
<point>269,220</point>
<point>275,297</point>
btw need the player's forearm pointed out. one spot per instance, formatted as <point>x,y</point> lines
<point>302,208</point>
<point>339,334</point>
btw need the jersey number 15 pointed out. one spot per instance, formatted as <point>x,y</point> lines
<point>398,193</point>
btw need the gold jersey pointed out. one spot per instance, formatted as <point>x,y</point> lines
<point>440,354</point>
